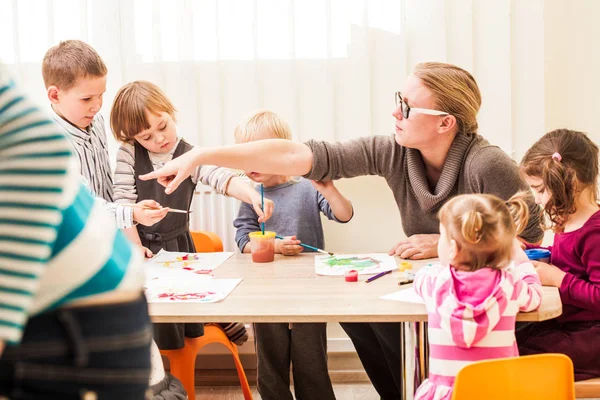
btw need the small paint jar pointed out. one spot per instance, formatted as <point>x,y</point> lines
<point>262,246</point>
<point>542,255</point>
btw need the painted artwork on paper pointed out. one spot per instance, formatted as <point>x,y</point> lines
<point>197,263</point>
<point>198,290</point>
<point>365,264</point>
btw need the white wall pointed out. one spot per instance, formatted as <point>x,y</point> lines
<point>572,65</point>
<point>375,226</point>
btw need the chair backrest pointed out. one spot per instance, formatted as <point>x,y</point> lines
<point>206,242</point>
<point>538,377</point>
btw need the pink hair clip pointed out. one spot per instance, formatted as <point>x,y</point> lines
<point>557,156</point>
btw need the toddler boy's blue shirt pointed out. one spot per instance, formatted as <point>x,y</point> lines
<point>298,206</point>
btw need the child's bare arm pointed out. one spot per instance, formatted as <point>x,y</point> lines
<point>242,191</point>
<point>340,206</point>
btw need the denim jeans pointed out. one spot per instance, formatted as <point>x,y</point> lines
<point>94,353</point>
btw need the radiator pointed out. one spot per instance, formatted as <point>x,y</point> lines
<point>214,212</point>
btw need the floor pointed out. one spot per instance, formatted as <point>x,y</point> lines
<point>343,391</point>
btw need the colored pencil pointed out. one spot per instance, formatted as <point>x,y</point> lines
<point>379,275</point>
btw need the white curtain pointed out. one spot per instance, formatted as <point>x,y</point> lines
<point>330,67</point>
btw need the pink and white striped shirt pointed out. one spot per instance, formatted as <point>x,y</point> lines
<point>472,317</point>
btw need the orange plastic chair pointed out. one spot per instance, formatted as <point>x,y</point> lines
<point>207,242</point>
<point>538,377</point>
<point>183,361</point>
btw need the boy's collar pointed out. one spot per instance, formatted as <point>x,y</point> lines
<point>86,130</point>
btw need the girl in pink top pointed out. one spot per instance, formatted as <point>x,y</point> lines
<point>474,295</point>
<point>562,170</point>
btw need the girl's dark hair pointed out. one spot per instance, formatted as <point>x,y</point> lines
<point>567,163</point>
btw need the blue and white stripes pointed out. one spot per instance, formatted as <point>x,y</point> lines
<point>57,243</point>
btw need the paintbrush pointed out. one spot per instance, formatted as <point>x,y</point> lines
<point>310,247</point>
<point>262,205</point>
<point>154,208</point>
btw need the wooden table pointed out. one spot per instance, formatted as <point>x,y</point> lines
<point>288,290</point>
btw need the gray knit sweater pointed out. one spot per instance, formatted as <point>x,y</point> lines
<point>473,165</point>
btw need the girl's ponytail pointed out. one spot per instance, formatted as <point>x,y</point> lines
<point>517,206</point>
<point>472,226</point>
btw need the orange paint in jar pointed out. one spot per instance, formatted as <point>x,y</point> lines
<point>262,246</point>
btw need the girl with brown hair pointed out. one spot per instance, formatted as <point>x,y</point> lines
<point>562,170</point>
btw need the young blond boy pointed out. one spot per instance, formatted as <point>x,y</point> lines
<point>297,218</point>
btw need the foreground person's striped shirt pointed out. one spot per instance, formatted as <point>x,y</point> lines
<point>471,318</point>
<point>57,243</point>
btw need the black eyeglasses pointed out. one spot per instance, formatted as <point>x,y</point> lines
<point>406,109</point>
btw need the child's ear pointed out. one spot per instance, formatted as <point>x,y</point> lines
<point>52,92</point>
<point>453,251</point>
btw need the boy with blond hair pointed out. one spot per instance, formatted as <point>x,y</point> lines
<point>297,217</point>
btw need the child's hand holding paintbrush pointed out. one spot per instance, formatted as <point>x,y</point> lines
<point>149,212</point>
<point>289,246</point>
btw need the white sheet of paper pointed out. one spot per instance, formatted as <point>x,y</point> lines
<point>365,264</point>
<point>193,289</point>
<point>407,295</point>
<point>199,263</point>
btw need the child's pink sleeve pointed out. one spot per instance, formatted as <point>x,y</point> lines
<point>528,288</point>
<point>425,280</point>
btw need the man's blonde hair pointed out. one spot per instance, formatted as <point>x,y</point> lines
<point>69,61</point>
<point>128,113</point>
<point>455,92</point>
<point>262,121</point>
